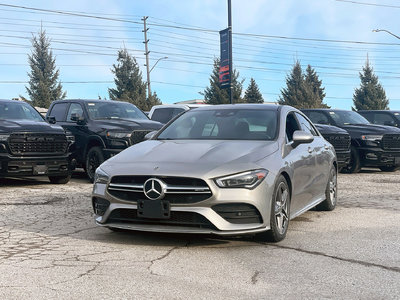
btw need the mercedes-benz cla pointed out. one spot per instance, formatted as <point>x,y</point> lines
<point>225,170</point>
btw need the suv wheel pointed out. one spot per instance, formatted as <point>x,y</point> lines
<point>354,165</point>
<point>94,159</point>
<point>59,179</point>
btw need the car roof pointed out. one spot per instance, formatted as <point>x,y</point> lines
<point>13,101</point>
<point>324,109</point>
<point>240,106</point>
<point>185,106</point>
<point>90,100</point>
<point>381,110</point>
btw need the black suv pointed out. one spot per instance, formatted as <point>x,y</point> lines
<point>340,140</point>
<point>102,128</point>
<point>382,117</point>
<point>371,145</point>
<point>31,146</point>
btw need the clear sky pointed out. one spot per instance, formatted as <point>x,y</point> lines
<point>187,33</point>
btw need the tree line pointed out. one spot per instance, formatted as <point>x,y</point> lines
<point>303,89</point>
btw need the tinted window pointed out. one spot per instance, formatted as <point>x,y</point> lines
<point>306,125</point>
<point>109,109</point>
<point>58,111</point>
<point>75,108</point>
<point>383,119</point>
<point>317,117</point>
<point>291,127</point>
<point>347,118</point>
<point>19,111</point>
<point>229,124</point>
<point>164,115</point>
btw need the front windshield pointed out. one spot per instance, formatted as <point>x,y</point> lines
<point>19,111</point>
<point>109,109</point>
<point>397,115</point>
<point>227,124</point>
<point>342,118</point>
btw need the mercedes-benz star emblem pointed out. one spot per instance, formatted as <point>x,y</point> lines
<point>154,189</point>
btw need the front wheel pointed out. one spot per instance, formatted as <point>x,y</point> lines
<point>354,165</point>
<point>59,179</point>
<point>279,218</point>
<point>94,159</point>
<point>330,192</point>
<point>389,169</point>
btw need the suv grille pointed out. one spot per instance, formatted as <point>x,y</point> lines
<point>37,143</point>
<point>391,141</point>
<point>338,141</point>
<point>181,190</point>
<point>138,136</point>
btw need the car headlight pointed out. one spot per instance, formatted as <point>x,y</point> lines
<point>248,180</point>
<point>118,135</point>
<point>371,137</point>
<point>4,137</point>
<point>70,137</point>
<point>101,176</point>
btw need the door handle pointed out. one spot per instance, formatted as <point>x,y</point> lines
<point>310,150</point>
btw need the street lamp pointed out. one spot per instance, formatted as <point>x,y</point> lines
<point>148,73</point>
<point>379,30</point>
<point>165,57</point>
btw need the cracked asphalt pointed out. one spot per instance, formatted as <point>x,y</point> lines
<point>50,248</point>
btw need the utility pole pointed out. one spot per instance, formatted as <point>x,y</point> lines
<point>146,41</point>
<point>230,51</point>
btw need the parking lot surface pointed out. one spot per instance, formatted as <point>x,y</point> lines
<point>51,248</point>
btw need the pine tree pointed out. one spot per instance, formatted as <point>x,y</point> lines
<point>153,100</point>
<point>214,94</point>
<point>370,95</point>
<point>296,91</point>
<point>314,87</point>
<point>253,94</point>
<point>44,86</point>
<point>128,81</point>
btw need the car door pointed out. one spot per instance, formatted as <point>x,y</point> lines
<point>319,152</point>
<point>303,163</point>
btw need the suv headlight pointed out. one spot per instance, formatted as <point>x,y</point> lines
<point>118,135</point>
<point>248,180</point>
<point>70,137</point>
<point>4,137</point>
<point>101,176</point>
<point>371,137</point>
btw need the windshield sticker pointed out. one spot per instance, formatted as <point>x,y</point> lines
<point>331,112</point>
<point>91,104</point>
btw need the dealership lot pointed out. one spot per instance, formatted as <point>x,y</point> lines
<point>50,248</point>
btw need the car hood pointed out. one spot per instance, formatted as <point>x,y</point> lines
<point>10,126</point>
<point>128,125</point>
<point>363,129</point>
<point>189,158</point>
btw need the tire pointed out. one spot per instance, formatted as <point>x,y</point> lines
<point>354,165</point>
<point>389,169</point>
<point>330,201</point>
<point>94,159</point>
<point>59,179</point>
<point>280,213</point>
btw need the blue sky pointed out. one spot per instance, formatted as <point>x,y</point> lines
<point>86,48</point>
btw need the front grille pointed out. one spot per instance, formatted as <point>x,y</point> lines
<point>238,213</point>
<point>391,142</point>
<point>339,141</point>
<point>177,218</point>
<point>37,144</point>
<point>137,136</point>
<point>180,190</point>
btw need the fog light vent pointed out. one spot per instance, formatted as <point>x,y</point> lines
<point>100,206</point>
<point>238,213</point>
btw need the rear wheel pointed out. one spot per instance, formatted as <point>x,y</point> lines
<point>59,179</point>
<point>94,159</point>
<point>354,165</point>
<point>389,169</point>
<point>279,219</point>
<point>330,193</point>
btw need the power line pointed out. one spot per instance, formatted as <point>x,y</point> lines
<point>369,4</point>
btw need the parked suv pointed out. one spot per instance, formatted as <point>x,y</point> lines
<point>102,128</point>
<point>371,145</point>
<point>382,117</point>
<point>165,113</point>
<point>31,146</point>
<point>340,140</point>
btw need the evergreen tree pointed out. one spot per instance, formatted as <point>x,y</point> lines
<point>128,81</point>
<point>296,91</point>
<point>370,95</point>
<point>153,100</point>
<point>44,86</point>
<point>253,94</point>
<point>314,87</point>
<point>214,94</point>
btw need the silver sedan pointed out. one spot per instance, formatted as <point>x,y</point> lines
<point>225,170</point>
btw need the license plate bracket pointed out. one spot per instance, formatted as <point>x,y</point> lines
<point>153,209</point>
<point>40,170</point>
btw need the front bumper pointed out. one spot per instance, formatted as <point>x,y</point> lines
<point>343,158</point>
<point>377,157</point>
<point>11,166</point>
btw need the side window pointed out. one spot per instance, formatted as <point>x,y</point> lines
<point>383,119</point>
<point>162,115</point>
<point>75,108</point>
<point>317,117</point>
<point>58,111</point>
<point>306,125</point>
<point>176,112</point>
<point>291,126</point>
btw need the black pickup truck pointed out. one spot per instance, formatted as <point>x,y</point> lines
<point>371,145</point>
<point>31,146</point>
<point>102,128</point>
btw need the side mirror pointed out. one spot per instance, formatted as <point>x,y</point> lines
<point>51,119</point>
<point>302,137</point>
<point>150,135</point>
<point>78,119</point>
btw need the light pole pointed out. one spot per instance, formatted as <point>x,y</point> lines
<point>379,30</point>
<point>148,74</point>
<point>165,57</point>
